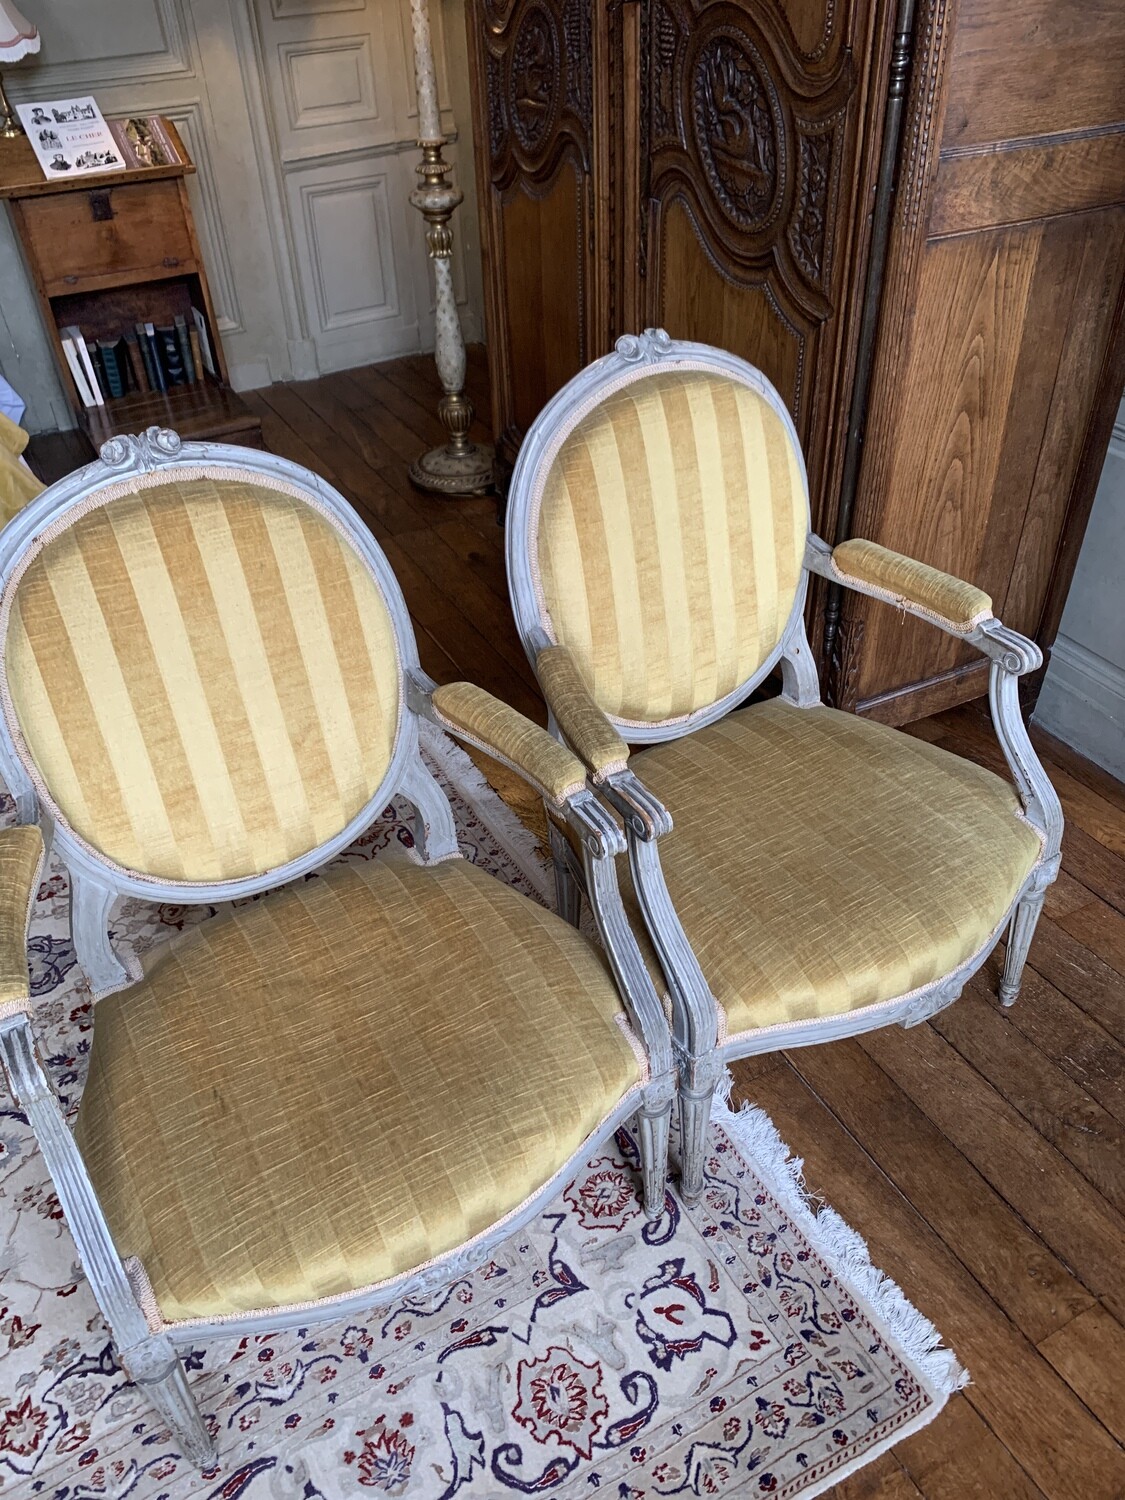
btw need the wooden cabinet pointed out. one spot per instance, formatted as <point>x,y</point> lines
<point>908,213</point>
<point>105,251</point>
<point>545,279</point>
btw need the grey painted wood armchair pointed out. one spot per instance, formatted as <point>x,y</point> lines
<point>351,1090</point>
<point>825,874</point>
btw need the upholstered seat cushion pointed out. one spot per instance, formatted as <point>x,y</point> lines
<point>342,1080</point>
<point>821,862</point>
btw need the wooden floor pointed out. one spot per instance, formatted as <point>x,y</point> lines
<point>980,1155</point>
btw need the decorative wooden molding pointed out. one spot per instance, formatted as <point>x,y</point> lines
<point>175,60</point>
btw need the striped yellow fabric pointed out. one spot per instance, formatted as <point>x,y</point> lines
<point>332,1085</point>
<point>670,542</point>
<point>821,862</point>
<point>495,727</point>
<point>204,676</point>
<point>577,715</point>
<point>906,581</point>
<point>21,856</point>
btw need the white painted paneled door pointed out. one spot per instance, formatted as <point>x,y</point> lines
<point>339,94</point>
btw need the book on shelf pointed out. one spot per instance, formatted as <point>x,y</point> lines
<point>113,366</point>
<point>180,323</point>
<point>168,348</point>
<point>146,357</point>
<point>204,343</point>
<point>137,366</point>
<point>77,372</point>
<point>196,351</point>
<point>88,387</point>
<point>160,381</point>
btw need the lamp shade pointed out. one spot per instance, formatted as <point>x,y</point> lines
<point>18,36</point>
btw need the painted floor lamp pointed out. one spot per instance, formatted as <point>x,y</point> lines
<point>460,467</point>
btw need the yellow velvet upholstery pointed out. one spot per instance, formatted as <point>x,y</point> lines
<point>204,675</point>
<point>474,715</point>
<point>902,580</point>
<point>21,858</point>
<point>670,541</point>
<point>577,714</point>
<point>820,862</point>
<point>339,1082</point>
<point>18,484</point>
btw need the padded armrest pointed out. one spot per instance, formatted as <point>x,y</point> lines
<point>949,601</point>
<point>473,715</point>
<point>577,714</point>
<point>21,861</point>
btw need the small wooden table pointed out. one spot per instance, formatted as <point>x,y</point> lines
<point>108,250</point>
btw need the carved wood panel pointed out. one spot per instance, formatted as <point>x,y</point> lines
<point>750,129</point>
<point>533,75</point>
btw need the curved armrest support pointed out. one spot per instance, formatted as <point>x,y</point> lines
<point>959,609</point>
<point>647,820</point>
<point>472,715</point>
<point>583,724</point>
<point>1012,655</point>
<point>21,864</point>
<point>950,603</point>
<point>601,842</point>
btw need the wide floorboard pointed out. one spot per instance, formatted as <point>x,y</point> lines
<point>980,1154</point>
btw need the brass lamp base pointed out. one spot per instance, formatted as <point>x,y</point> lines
<point>455,470</point>
<point>10,127</point>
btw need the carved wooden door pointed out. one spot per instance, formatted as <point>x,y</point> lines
<point>534,89</point>
<point>758,149</point>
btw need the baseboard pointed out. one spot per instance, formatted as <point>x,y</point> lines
<point>1083,704</point>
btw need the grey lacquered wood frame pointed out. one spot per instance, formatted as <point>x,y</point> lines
<point>147,1346</point>
<point>700,1056</point>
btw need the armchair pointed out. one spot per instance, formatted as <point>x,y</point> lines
<point>353,1089</point>
<point>825,874</point>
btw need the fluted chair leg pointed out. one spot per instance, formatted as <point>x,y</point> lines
<point>695,1117</point>
<point>155,1368</point>
<point>1020,932</point>
<point>653,1124</point>
<point>568,892</point>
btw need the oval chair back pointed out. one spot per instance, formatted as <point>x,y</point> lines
<point>657,526</point>
<point>203,658</point>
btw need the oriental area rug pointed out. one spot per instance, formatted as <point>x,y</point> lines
<point>745,1347</point>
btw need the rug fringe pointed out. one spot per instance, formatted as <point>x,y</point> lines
<point>844,1249</point>
<point>506,828</point>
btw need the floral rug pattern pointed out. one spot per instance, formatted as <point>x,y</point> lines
<point>721,1350</point>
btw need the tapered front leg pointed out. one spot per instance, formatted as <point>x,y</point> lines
<point>1020,932</point>
<point>653,1122</point>
<point>155,1368</point>
<point>698,1080</point>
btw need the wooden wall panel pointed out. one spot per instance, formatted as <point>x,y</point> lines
<point>1004,361</point>
<point>1084,351</point>
<point>957,387</point>
<point>545,327</point>
<point>1007,186</point>
<point>1019,70</point>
